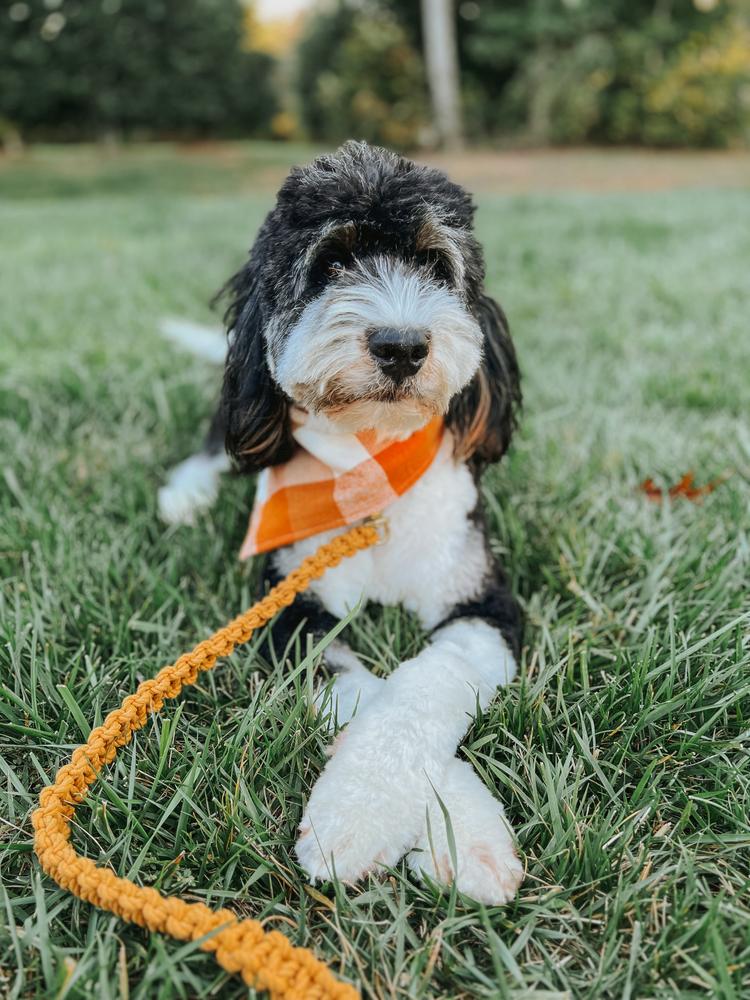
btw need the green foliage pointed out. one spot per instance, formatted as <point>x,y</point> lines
<point>603,70</point>
<point>75,68</point>
<point>359,76</point>
<point>704,94</point>
<point>664,72</point>
<point>624,71</point>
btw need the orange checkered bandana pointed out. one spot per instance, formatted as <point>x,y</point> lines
<point>333,480</point>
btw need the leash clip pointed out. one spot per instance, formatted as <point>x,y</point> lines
<point>382,525</point>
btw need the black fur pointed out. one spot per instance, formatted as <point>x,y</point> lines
<point>306,610</point>
<point>253,410</point>
<point>384,199</point>
<point>380,202</point>
<point>215,440</point>
<point>487,408</point>
<point>496,605</point>
<point>494,602</point>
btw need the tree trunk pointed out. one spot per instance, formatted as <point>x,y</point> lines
<point>441,58</point>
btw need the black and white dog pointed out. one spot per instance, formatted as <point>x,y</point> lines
<point>361,245</point>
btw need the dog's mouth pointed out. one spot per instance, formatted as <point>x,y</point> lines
<point>393,409</point>
<point>337,396</point>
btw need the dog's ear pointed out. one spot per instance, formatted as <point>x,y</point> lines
<point>254,409</point>
<point>482,416</point>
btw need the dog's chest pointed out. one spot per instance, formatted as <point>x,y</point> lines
<point>434,556</point>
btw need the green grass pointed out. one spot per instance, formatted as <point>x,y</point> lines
<point>147,169</point>
<point>622,751</point>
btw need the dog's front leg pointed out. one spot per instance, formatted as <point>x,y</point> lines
<point>465,836</point>
<point>192,485</point>
<point>368,807</point>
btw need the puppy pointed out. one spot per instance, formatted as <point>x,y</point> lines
<point>362,308</point>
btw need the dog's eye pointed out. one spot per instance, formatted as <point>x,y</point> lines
<point>328,265</point>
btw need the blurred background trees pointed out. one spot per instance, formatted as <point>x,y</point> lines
<point>608,71</point>
<point>359,74</point>
<point>657,72</point>
<point>74,69</point>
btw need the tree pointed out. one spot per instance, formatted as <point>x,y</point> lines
<point>654,71</point>
<point>441,58</point>
<point>358,76</point>
<point>77,68</point>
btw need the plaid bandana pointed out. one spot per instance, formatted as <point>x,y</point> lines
<point>333,480</point>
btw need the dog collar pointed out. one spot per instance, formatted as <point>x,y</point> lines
<point>333,480</point>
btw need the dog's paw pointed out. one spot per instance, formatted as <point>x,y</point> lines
<point>488,872</point>
<point>354,826</point>
<point>486,864</point>
<point>338,846</point>
<point>368,806</point>
<point>192,487</point>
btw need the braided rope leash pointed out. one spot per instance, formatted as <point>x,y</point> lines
<point>266,960</point>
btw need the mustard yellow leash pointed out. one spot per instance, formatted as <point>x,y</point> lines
<point>265,959</point>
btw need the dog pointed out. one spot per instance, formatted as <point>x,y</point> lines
<point>362,307</point>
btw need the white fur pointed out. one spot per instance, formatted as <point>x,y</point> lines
<point>353,687</point>
<point>368,807</point>
<point>434,557</point>
<point>191,487</point>
<point>205,342</point>
<point>377,799</point>
<point>396,757</point>
<point>474,844</point>
<point>486,864</point>
<point>379,795</point>
<point>325,355</point>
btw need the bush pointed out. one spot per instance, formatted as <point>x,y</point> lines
<point>359,76</point>
<point>703,96</point>
<point>78,68</point>
<point>607,71</point>
<point>610,70</point>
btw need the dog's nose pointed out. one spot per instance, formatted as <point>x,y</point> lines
<point>399,352</point>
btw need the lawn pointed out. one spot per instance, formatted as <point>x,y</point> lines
<point>621,753</point>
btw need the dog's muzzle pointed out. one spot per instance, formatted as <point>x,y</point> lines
<point>399,353</point>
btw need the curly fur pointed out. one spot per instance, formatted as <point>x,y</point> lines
<point>365,243</point>
<point>373,209</point>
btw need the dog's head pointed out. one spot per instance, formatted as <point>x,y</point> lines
<point>362,300</point>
